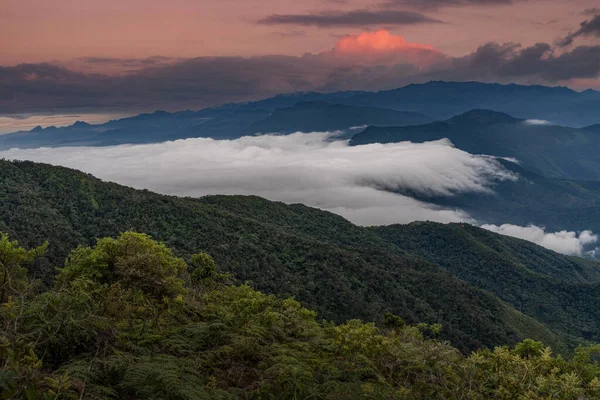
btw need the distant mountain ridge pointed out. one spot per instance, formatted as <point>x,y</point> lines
<point>556,204</point>
<point>549,150</point>
<point>219,123</point>
<point>434,100</point>
<point>312,116</point>
<point>442,100</point>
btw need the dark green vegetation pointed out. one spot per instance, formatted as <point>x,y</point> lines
<point>558,291</point>
<point>551,151</point>
<point>128,319</point>
<point>328,264</point>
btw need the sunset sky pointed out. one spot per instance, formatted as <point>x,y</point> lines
<point>119,57</point>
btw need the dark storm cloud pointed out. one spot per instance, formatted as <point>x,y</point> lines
<point>587,28</point>
<point>191,83</point>
<point>591,27</point>
<point>206,81</point>
<point>127,62</point>
<point>591,11</point>
<point>494,61</point>
<point>350,18</point>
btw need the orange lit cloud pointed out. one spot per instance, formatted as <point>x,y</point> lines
<point>383,47</point>
<point>379,41</point>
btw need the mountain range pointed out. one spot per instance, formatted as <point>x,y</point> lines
<point>556,168</point>
<point>409,105</point>
<point>221,123</point>
<point>549,150</point>
<point>127,293</point>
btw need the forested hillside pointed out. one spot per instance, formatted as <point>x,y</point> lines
<point>556,290</point>
<point>128,319</point>
<point>328,264</point>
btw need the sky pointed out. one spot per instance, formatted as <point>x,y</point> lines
<point>62,30</point>
<point>79,57</point>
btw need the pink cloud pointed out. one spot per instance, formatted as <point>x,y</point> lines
<point>383,47</point>
<point>376,42</point>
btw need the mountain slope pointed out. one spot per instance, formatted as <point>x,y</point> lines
<point>342,270</point>
<point>556,204</point>
<point>318,116</point>
<point>442,100</point>
<point>512,269</point>
<point>438,100</point>
<point>190,333</point>
<point>158,126</point>
<point>217,123</point>
<point>548,150</point>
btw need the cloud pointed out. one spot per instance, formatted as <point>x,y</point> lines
<point>586,28</point>
<point>436,4</point>
<point>591,11</point>
<point>537,122</point>
<point>570,243</point>
<point>538,63</point>
<point>134,62</point>
<point>382,48</point>
<point>367,61</point>
<point>378,41</point>
<point>355,18</point>
<point>287,34</point>
<point>353,181</point>
<point>116,66</point>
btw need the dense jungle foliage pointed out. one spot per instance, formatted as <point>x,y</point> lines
<point>561,292</point>
<point>340,270</point>
<point>127,319</point>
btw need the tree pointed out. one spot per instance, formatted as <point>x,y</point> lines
<point>134,261</point>
<point>204,267</point>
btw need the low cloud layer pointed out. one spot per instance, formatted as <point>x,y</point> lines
<point>361,183</point>
<point>538,122</point>
<point>355,182</point>
<point>565,242</point>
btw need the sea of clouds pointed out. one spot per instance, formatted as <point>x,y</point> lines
<point>361,183</point>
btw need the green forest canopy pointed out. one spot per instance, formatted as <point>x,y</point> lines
<point>485,289</point>
<point>127,318</point>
